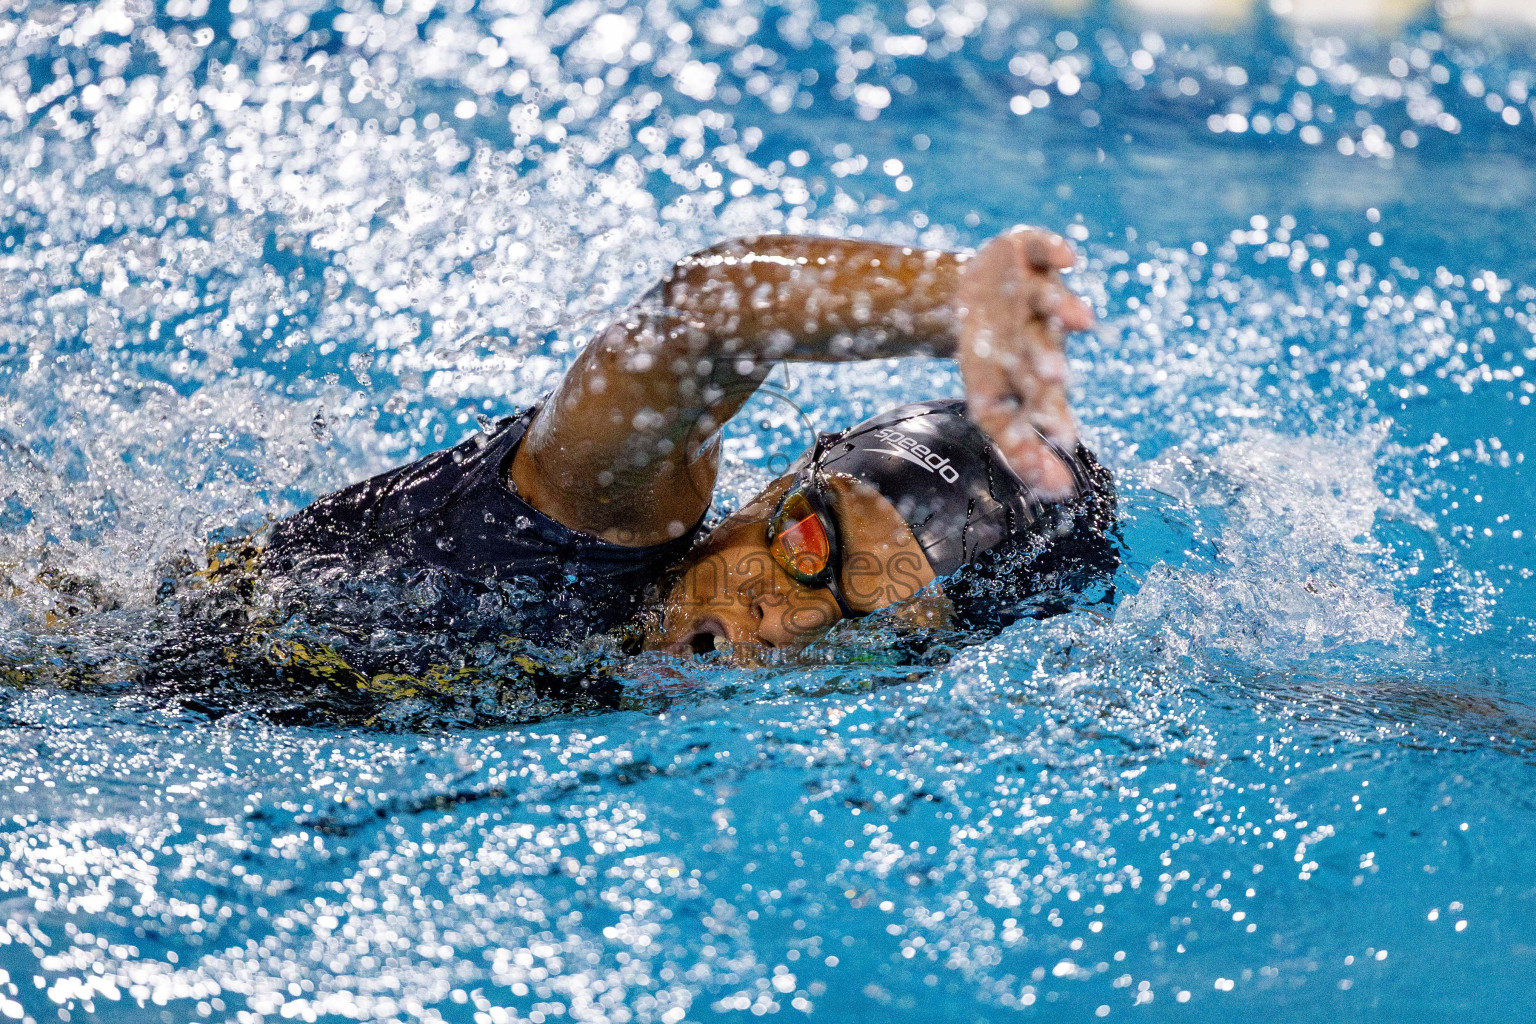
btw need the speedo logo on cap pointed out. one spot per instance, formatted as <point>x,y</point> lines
<point>904,447</point>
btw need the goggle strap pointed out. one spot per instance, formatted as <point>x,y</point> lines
<point>836,590</point>
<point>818,503</point>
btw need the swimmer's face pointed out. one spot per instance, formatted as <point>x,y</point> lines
<point>732,594</point>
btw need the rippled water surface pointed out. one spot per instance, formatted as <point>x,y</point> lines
<point>251,251</point>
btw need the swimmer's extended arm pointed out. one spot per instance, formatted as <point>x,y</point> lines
<point>625,448</point>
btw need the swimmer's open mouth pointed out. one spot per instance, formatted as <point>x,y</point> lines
<point>705,638</point>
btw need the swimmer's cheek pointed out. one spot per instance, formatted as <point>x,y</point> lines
<point>906,578</point>
<point>864,581</point>
<point>789,625</point>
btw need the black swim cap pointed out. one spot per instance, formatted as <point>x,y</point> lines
<point>947,479</point>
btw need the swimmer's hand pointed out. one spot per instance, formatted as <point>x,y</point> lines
<point>1015,313</point>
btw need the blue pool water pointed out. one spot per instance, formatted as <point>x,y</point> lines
<point>252,250</point>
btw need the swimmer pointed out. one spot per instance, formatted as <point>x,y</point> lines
<point>596,496</point>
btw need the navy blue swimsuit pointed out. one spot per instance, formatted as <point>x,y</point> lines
<point>454,511</point>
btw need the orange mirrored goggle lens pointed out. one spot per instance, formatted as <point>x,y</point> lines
<point>800,543</point>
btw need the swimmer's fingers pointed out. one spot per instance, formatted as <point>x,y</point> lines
<point>1043,250</point>
<point>1036,257</point>
<point>1041,378</point>
<point>1042,469</point>
<point>1042,255</point>
<point>1046,415</point>
<point>1053,301</point>
<point>1015,406</point>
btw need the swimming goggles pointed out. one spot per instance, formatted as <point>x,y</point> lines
<point>803,536</point>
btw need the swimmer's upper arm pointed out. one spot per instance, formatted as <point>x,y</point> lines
<point>626,448</point>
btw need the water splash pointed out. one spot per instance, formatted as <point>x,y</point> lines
<point>251,251</point>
